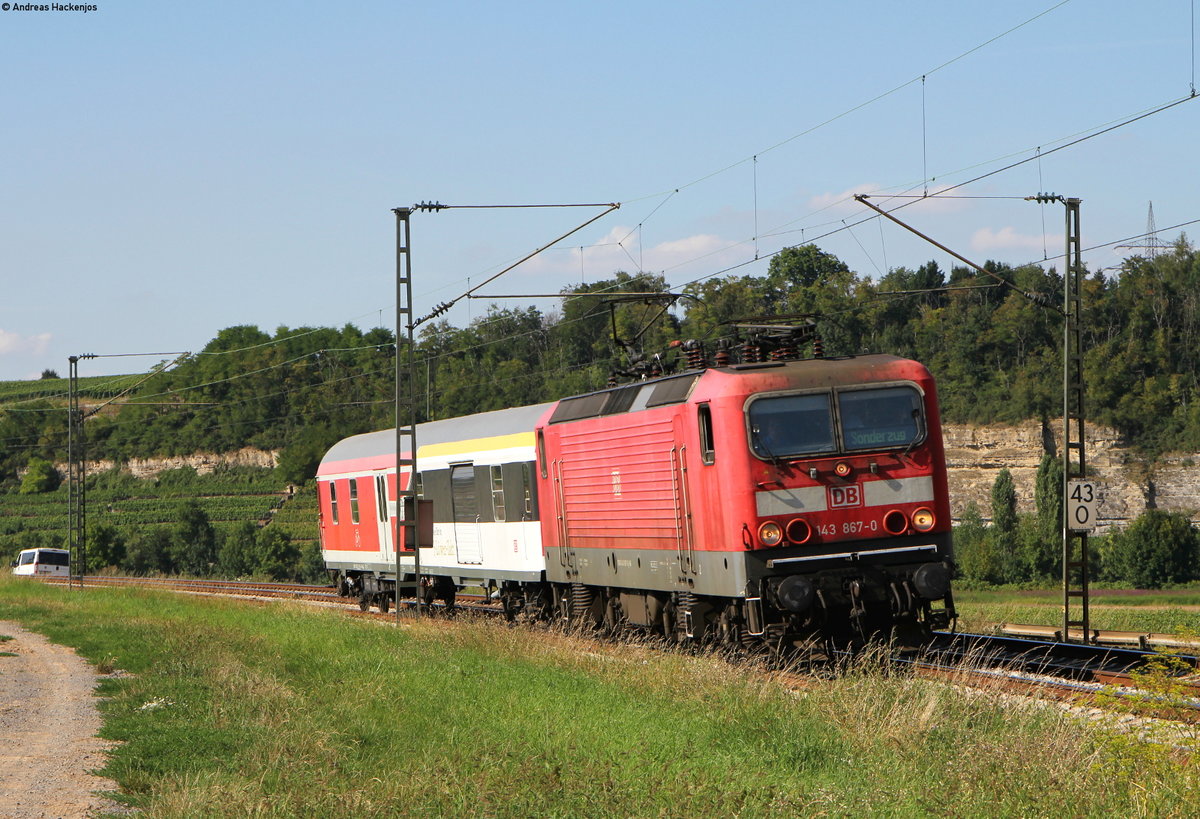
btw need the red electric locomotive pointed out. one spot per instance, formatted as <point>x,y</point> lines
<point>775,500</point>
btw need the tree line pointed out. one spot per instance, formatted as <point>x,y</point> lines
<point>995,352</point>
<point>194,547</point>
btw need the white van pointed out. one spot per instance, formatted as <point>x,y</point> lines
<point>43,562</point>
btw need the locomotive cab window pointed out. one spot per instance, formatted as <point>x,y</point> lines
<point>705,422</point>
<point>881,418</point>
<point>782,426</point>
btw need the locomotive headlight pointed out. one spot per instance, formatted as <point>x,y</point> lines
<point>842,469</point>
<point>798,531</point>
<point>923,519</point>
<point>894,522</point>
<point>770,534</point>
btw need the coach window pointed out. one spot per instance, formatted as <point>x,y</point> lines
<point>333,502</point>
<point>704,420</point>
<point>381,498</point>
<point>353,500</point>
<point>497,492</point>
<point>527,490</point>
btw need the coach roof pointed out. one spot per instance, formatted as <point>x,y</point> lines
<point>377,450</point>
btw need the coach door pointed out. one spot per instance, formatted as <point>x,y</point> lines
<point>466,513</point>
<point>382,518</point>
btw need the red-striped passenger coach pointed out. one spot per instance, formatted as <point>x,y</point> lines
<point>774,500</point>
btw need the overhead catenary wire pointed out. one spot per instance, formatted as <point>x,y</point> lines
<point>671,192</point>
<point>131,387</point>
<point>860,105</point>
<point>461,350</point>
<point>312,355</point>
<point>1036,298</point>
<point>1068,141</point>
<point>208,405</point>
<point>754,158</point>
<point>844,226</point>
<point>606,292</point>
<point>443,307</point>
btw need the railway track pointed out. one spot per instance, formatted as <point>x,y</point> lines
<point>239,588</point>
<point>217,587</point>
<point>1137,681</point>
<point>1092,675</point>
<point>1139,639</point>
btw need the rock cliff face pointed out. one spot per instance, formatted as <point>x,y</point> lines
<point>974,456</point>
<point>1128,485</point>
<point>202,462</point>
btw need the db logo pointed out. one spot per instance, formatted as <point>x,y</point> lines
<point>841,497</point>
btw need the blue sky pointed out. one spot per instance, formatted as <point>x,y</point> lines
<point>173,169</point>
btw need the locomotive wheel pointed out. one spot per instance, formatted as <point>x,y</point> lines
<point>364,603</point>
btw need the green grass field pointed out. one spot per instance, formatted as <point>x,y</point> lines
<point>274,710</point>
<point>1170,612</point>
<point>56,389</point>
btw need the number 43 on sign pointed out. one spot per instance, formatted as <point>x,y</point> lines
<point>1083,505</point>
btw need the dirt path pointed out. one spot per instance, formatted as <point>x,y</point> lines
<point>48,726</point>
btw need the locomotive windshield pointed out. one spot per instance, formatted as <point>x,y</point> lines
<point>791,425</point>
<point>783,426</point>
<point>881,418</point>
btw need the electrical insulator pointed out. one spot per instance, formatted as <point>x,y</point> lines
<point>784,352</point>
<point>722,357</point>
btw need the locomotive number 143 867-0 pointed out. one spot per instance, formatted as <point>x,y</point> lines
<point>850,527</point>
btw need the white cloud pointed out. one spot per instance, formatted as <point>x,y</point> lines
<point>622,248</point>
<point>843,201</point>
<point>16,343</point>
<point>986,239</point>
<point>668,254</point>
